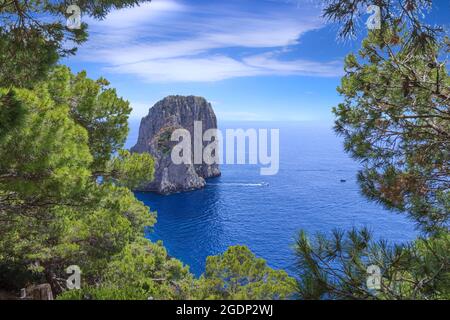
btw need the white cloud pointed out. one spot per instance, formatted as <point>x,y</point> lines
<point>270,64</point>
<point>219,67</point>
<point>138,15</point>
<point>187,69</point>
<point>166,41</point>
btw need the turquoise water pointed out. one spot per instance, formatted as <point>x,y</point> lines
<point>266,212</point>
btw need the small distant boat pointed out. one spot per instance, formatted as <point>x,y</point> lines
<point>343,180</point>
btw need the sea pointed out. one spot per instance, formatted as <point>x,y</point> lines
<point>315,190</point>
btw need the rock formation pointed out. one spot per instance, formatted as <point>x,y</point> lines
<point>175,112</point>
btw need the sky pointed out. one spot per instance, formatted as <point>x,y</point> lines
<point>254,60</point>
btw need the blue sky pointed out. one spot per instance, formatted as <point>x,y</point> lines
<point>252,59</point>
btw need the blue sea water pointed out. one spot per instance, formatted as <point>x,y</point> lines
<point>266,212</point>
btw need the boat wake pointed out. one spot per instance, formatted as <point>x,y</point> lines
<point>240,184</point>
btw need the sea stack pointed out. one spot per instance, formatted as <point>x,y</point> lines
<point>169,114</point>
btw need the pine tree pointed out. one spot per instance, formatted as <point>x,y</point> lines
<point>33,35</point>
<point>64,200</point>
<point>238,275</point>
<point>395,120</point>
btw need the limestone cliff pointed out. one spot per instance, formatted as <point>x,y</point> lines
<point>156,128</point>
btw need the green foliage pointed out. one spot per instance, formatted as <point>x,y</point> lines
<point>395,119</point>
<point>238,274</point>
<point>164,143</point>
<point>23,61</point>
<point>11,112</point>
<point>94,106</point>
<point>55,210</point>
<point>336,267</point>
<point>47,154</point>
<point>31,45</point>
<point>104,292</point>
<point>126,169</point>
<point>348,15</point>
<point>65,199</point>
<point>144,271</point>
<point>141,271</point>
<point>65,181</point>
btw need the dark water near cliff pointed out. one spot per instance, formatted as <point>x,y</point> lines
<point>266,212</point>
